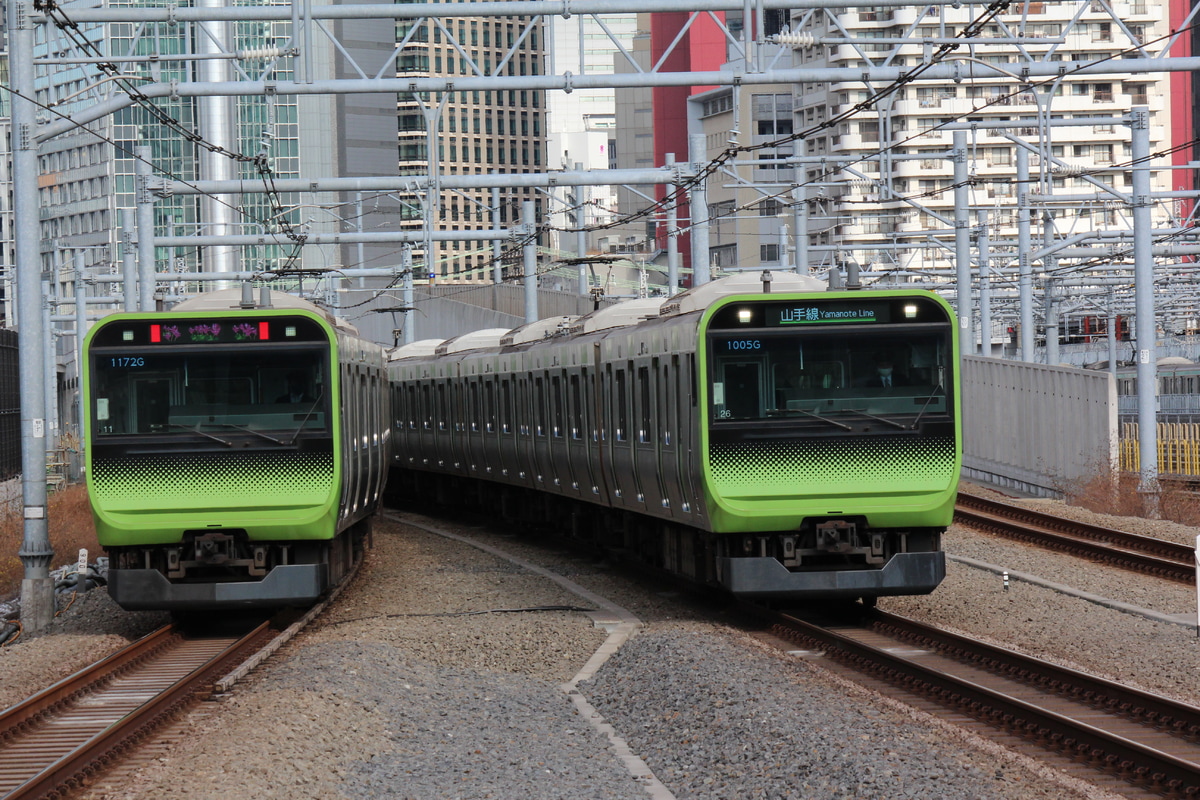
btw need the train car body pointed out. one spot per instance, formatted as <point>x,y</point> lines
<point>234,455</point>
<point>1177,387</point>
<point>729,436</point>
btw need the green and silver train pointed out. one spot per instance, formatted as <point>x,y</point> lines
<point>786,443</point>
<point>235,451</point>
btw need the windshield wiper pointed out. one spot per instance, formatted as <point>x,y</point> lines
<point>815,415</point>
<point>307,414</point>
<point>196,429</point>
<point>884,420</point>
<point>268,437</point>
<point>924,406</point>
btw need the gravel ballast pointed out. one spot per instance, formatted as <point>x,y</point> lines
<point>388,696</point>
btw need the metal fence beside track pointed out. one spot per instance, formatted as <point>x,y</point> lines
<point>1178,448</point>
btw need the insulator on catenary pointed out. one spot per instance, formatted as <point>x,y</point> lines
<point>1069,170</point>
<point>261,52</point>
<point>796,38</point>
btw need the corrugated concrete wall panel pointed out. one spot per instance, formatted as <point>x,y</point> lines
<point>442,318</point>
<point>1036,428</point>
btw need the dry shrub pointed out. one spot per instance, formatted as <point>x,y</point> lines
<point>1120,496</point>
<point>71,528</point>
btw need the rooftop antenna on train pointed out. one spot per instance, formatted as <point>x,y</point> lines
<point>247,295</point>
<point>766,281</point>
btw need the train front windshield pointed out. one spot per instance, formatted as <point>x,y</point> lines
<point>215,392</point>
<point>884,365</point>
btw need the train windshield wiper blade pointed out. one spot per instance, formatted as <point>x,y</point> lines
<point>815,415</point>
<point>246,429</point>
<point>921,413</point>
<point>884,420</point>
<point>196,429</point>
<point>307,414</point>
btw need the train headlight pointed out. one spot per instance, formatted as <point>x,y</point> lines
<point>910,311</point>
<point>744,315</point>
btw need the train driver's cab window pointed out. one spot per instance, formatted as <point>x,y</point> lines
<point>815,377</point>
<point>209,393</point>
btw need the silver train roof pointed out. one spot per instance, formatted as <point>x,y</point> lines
<point>630,312</point>
<point>231,299</point>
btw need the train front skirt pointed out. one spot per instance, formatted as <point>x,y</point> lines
<point>285,585</point>
<point>904,573</point>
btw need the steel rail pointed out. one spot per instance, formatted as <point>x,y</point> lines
<point>22,714</point>
<point>84,757</point>
<point>1133,761</point>
<point>1130,550</point>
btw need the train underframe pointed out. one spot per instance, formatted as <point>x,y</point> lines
<point>835,559</point>
<point>226,570</point>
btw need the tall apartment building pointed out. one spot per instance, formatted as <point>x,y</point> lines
<point>874,214</point>
<point>891,212</point>
<point>474,133</point>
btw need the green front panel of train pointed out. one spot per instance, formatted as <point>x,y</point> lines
<point>272,496</point>
<point>829,405</point>
<point>897,482</point>
<point>212,420</point>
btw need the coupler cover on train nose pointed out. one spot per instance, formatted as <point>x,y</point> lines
<point>836,535</point>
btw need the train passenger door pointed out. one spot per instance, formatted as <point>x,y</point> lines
<point>560,464</point>
<point>623,468</point>
<point>669,437</point>
<point>473,422</point>
<point>541,466</point>
<point>645,440</point>
<point>509,462</point>
<point>578,435</point>
<point>523,405</point>
<point>690,455</point>
<point>456,407</point>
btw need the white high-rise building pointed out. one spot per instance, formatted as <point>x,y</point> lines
<point>880,212</point>
<point>581,125</point>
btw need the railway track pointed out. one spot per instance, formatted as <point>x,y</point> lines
<point>59,738</point>
<point>1129,550</point>
<point>1103,732</point>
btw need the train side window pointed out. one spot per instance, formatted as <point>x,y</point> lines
<point>539,406</point>
<point>397,407</point>
<point>506,406</point>
<point>576,408</point>
<point>556,407</point>
<point>621,406</point>
<point>373,408</point>
<point>521,409</point>
<point>442,411</point>
<point>426,408</point>
<point>692,377</point>
<point>489,409</point>
<point>644,421</point>
<point>669,396</point>
<point>474,413</point>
